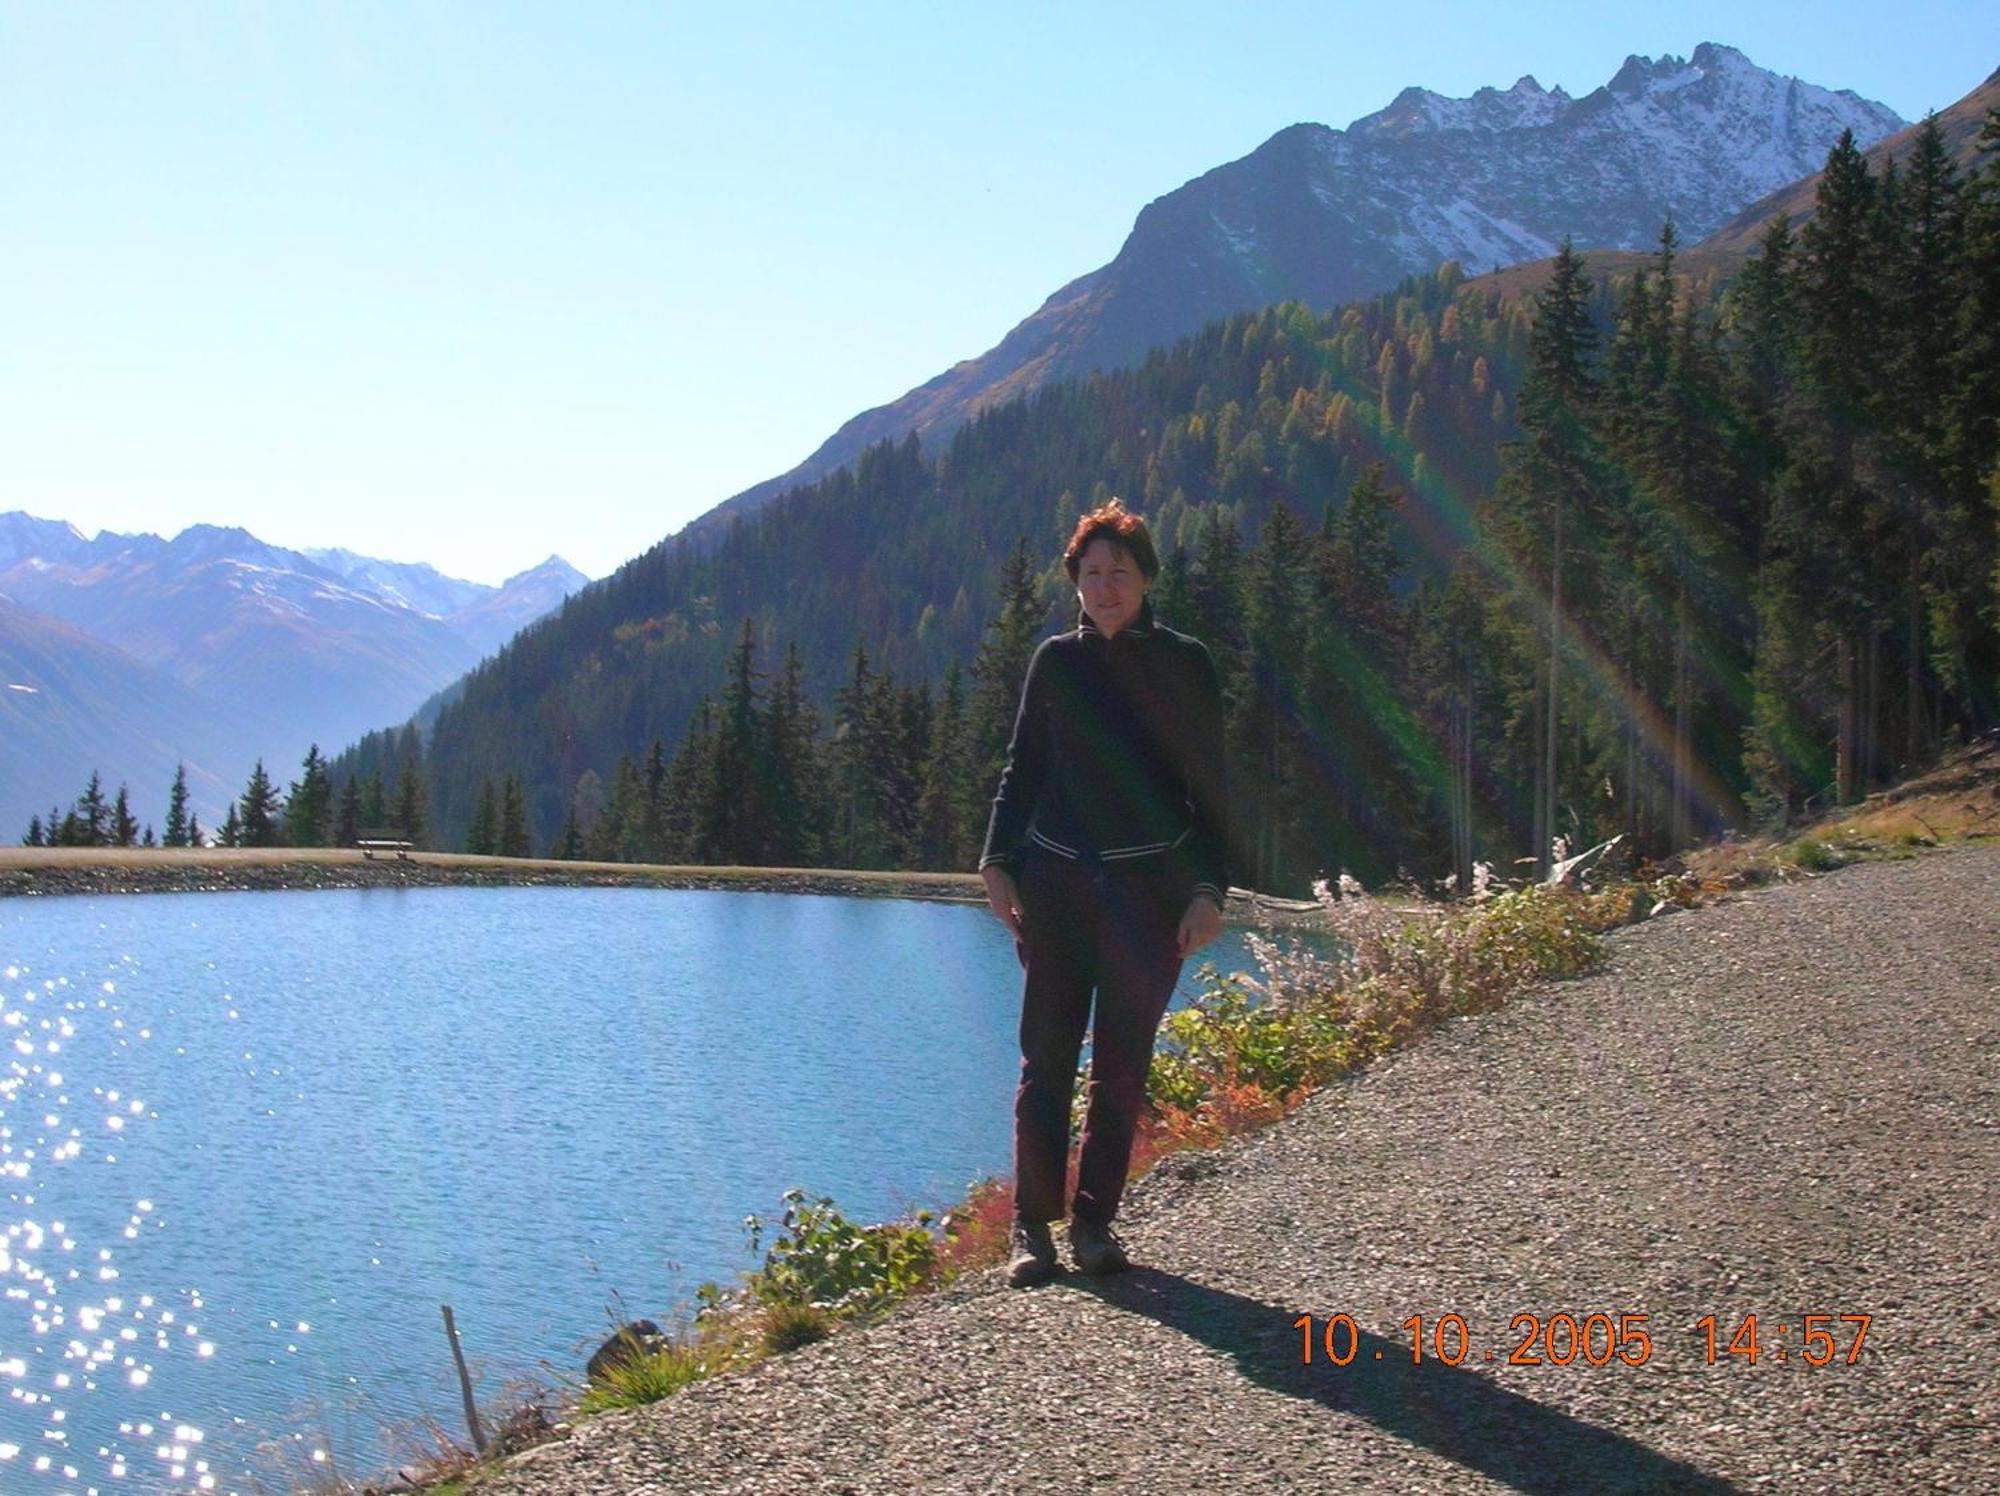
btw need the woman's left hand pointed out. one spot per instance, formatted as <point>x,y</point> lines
<point>1201,924</point>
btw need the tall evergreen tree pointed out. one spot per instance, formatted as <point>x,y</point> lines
<point>177,809</point>
<point>1550,504</point>
<point>1001,665</point>
<point>513,837</point>
<point>260,811</point>
<point>483,839</point>
<point>309,806</point>
<point>347,820</point>
<point>124,825</point>
<point>93,816</point>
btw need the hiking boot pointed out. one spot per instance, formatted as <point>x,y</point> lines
<point>1034,1254</point>
<point>1095,1248</point>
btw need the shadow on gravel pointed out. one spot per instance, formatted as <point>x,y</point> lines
<point>1454,1413</point>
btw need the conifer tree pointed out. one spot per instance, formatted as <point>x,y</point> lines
<point>797,811</point>
<point>195,838</point>
<point>654,817</point>
<point>1550,502</point>
<point>740,821</point>
<point>691,791</point>
<point>1002,664</point>
<point>260,811</point>
<point>482,839</point>
<point>569,842</point>
<point>513,836</point>
<point>1268,797</point>
<point>93,816</point>
<point>232,827</point>
<point>34,836</point>
<point>347,821</point>
<point>945,804</point>
<point>177,809</point>
<point>124,825</point>
<point>411,812</point>
<point>309,806</point>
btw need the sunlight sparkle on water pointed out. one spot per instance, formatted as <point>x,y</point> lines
<point>70,1340</point>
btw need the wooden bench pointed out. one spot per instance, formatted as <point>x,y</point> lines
<point>384,840</point>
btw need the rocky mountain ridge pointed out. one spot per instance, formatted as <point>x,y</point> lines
<point>1329,216</point>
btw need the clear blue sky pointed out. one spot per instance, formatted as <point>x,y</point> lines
<point>471,283</point>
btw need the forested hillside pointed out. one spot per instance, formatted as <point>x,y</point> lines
<point>1740,535</point>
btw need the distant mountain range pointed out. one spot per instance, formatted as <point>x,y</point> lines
<point>126,653</point>
<point>1329,216</point>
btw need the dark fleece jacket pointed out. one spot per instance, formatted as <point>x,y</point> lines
<point>1117,753</point>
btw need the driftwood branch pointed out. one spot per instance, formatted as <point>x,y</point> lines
<point>464,1384</point>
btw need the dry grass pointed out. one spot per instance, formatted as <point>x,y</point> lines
<point>1959,800</point>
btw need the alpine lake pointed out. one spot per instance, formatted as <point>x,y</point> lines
<point>253,1143</point>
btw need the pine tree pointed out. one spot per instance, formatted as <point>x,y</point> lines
<point>309,807</point>
<point>797,810</point>
<point>1002,664</point>
<point>232,827</point>
<point>34,836</point>
<point>483,837</point>
<point>740,767</point>
<point>411,813</point>
<point>347,822</point>
<point>124,825</point>
<point>1551,500</point>
<point>513,839</point>
<point>1268,797</point>
<point>195,838</point>
<point>654,818</point>
<point>93,816</point>
<point>569,844</point>
<point>149,840</point>
<point>258,821</point>
<point>945,804</point>
<point>177,809</point>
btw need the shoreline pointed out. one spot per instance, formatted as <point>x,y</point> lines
<point>51,872</point>
<point>32,872</point>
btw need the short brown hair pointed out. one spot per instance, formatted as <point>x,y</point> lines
<point>1113,522</point>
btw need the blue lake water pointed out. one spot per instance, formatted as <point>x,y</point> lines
<point>252,1143</point>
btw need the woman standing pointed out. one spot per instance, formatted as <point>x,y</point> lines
<point>1106,857</point>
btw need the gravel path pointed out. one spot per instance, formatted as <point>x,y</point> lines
<point>1787,1103</point>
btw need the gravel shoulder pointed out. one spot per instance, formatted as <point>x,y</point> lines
<point>1784,1103</point>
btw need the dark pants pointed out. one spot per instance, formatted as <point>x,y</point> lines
<point>1111,927</point>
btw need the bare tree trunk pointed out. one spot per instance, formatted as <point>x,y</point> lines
<point>1917,746</point>
<point>1873,721</point>
<point>1465,795</point>
<point>1543,852</point>
<point>1843,762</point>
<point>1679,833</point>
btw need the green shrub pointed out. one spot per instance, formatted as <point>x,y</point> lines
<point>823,1260</point>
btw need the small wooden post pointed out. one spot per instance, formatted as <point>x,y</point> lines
<point>464,1384</point>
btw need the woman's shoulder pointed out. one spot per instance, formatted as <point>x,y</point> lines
<point>1180,643</point>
